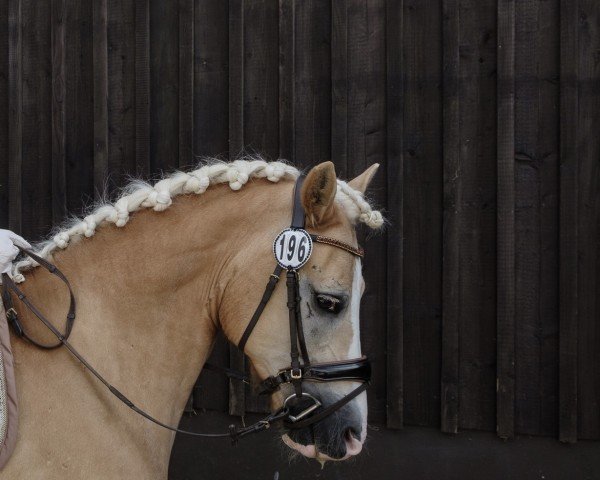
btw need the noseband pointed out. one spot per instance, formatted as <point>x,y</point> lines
<point>292,249</point>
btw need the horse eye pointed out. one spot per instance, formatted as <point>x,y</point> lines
<point>329,303</point>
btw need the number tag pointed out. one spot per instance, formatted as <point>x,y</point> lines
<point>292,248</point>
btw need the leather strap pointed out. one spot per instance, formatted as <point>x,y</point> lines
<point>358,370</point>
<point>11,314</point>
<point>292,304</point>
<point>269,289</point>
<point>317,417</point>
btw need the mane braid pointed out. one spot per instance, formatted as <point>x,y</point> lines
<point>138,195</point>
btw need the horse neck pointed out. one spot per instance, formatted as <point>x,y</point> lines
<point>147,304</point>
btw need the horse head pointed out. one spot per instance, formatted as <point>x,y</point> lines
<point>330,286</point>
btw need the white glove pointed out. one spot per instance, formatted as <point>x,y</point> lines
<point>8,248</point>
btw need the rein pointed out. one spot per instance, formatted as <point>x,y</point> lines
<point>291,260</point>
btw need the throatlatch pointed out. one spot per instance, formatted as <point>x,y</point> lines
<point>292,249</point>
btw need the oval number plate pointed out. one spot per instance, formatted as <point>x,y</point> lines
<point>292,248</point>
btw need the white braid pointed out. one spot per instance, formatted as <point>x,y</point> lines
<point>159,197</point>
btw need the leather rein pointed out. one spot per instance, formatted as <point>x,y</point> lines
<point>304,414</point>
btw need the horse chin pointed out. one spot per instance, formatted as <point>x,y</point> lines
<point>353,447</point>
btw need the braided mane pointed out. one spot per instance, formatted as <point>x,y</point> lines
<point>138,195</point>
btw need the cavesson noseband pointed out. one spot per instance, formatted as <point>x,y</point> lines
<point>292,249</point>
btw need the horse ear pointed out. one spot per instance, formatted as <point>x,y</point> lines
<point>361,182</point>
<point>318,192</point>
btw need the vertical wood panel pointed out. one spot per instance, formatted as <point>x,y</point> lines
<point>477,215</point>
<point>588,246</point>
<point>568,407</point>
<point>59,186</point>
<point>339,86</point>
<point>15,121</point>
<point>395,186</point>
<point>536,216</point>
<point>121,91</point>
<point>505,410</point>
<point>312,82</point>
<point>211,79</point>
<point>451,205</point>
<point>165,78</point>
<point>79,105</point>
<point>286,78</point>
<point>237,403</point>
<point>142,87</point>
<point>100,53</point>
<point>236,77</point>
<point>4,114</point>
<point>261,77</point>
<point>37,118</point>
<point>422,232</point>
<point>187,18</point>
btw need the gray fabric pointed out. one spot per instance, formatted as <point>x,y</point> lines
<point>8,394</point>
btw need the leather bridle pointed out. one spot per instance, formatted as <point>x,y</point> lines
<point>356,369</point>
<point>300,409</point>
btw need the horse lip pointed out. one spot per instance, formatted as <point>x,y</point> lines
<point>310,451</point>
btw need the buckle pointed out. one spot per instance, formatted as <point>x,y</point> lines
<point>11,312</point>
<point>304,413</point>
<point>296,376</point>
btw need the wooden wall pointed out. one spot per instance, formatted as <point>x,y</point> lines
<point>481,310</point>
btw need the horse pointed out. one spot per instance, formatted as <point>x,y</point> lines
<point>154,287</point>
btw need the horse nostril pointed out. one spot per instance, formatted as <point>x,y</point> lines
<point>350,434</point>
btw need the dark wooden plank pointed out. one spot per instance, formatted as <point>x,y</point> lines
<point>451,210</point>
<point>568,281</point>
<point>15,114</point>
<point>37,119</point>
<point>164,79</point>
<point>395,213</point>
<point>312,82</point>
<point>477,216</point>
<point>366,144</point>
<point>237,23</point>
<point>211,79</point>
<point>261,77</point>
<point>422,204</point>
<point>186,80</point>
<point>100,54</point>
<point>142,86</point>
<point>548,137</point>
<point>536,217</point>
<point>505,383</point>
<point>4,115</point>
<point>59,182</point>
<point>286,78</point>
<point>588,233</point>
<point>79,108</point>
<point>339,86</point>
<point>121,91</point>
<point>236,77</point>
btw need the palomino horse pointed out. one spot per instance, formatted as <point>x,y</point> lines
<point>151,296</point>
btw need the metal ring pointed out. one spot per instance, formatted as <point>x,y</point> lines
<point>305,412</point>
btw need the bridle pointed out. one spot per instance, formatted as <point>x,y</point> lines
<point>357,369</point>
<point>292,249</point>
